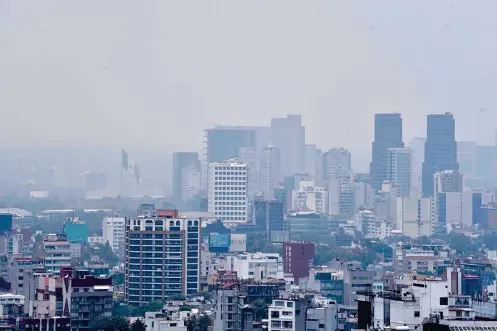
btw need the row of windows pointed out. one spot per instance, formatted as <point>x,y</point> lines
<point>155,236</point>
<point>237,187</point>
<point>219,198</point>
<point>231,178</point>
<point>232,170</point>
<point>229,213</point>
<point>230,203</point>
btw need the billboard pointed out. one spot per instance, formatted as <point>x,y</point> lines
<point>219,243</point>
<point>5,223</point>
<point>238,242</point>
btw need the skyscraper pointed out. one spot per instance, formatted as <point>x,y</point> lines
<point>182,160</point>
<point>417,146</point>
<point>400,170</point>
<point>161,258</point>
<point>269,171</point>
<point>337,162</point>
<point>288,135</point>
<point>440,149</point>
<point>387,134</point>
<point>224,143</point>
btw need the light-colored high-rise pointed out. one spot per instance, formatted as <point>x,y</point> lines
<point>341,196</point>
<point>417,146</point>
<point>399,170</point>
<point>227,191</point>
<point>113,230</point>
<point>310,198</point>
<point>288,135</point>
<point>337,162</point>
<point>414,216</point>
<point>269,171</point>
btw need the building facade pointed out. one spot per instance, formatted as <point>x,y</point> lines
<point>387,134</point>
<point>298,257</point>
<point>269,171</point>
<point>162,258</point>
<point>182,160</point>
<point>400,170</point>
<point>227,191</point>
<point>440,149</point>
<point>288,135</point>
<point>113,232</point>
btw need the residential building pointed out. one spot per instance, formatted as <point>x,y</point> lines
<point>269,171</point>
<point>56,252</point>
<point>286,314</point>
<point>288,135</point>
<point>323,316</point>
<point>232,311</point>
<point>310,198</point>
<point>440,149</point>
<point>18,266</point>
<point>342,196</point>
<point>354,279</point>
<point>182,161</point>
<point>387,134</point>
<point>85,298</point>
<point>162,258</point>
<point>113,232</point>
<point>256,266</point>
<point>298,257</point>
<point>269,216</point>
<point>399,170</point>
<point>366,223</point>
<point>326,281</point>
<point>227,191</point>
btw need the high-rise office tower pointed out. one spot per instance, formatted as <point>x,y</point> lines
<point>224,143</point>
<point>227,191</point>
<point>337,162</point>
<point>310,161</point>
<point>399,170</point>
<point>161,258</point>
<point>466,157</point>
<point>387,134</point>
<point>269,171</point>
<point>417,146</point>
<point>269,216</point>
<point>182,160</point>
<point>447,181</point>
<point>288,135</point>
<point>440,149</point>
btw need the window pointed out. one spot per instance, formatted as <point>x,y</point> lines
<point>275,314</point>
<point>444,301</point>
<point>416,314</point>
<point>279,303</point>
<point>289,304</point>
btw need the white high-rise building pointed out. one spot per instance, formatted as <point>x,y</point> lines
<point>414,216</point>
<point>269,171</point>
<point>417,146</point>
<point>310,198</point>
<point>227,191</point>
<point>399,170</point>
<point>114,230</point>
<point>341,196</point>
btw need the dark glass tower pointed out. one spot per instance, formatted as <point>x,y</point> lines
<point>440,149</point>
<point>387,134</point>
<point>224,143</point>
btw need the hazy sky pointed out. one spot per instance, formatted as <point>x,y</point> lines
<point>154,74</point>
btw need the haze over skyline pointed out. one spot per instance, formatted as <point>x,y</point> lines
<point>153,75</point>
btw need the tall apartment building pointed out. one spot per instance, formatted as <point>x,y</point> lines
<point>85,298</point>
<point>162,258</point>
<point>387,134</point>
<point>414,216</point>
<point>227,191</point>
<point>56,252</point>
<point>113,232</point>
<point>233,312</point>
<point>182,160</point>
<point>440,149</point>
<point>399,170</point>
<point>269,171</point>
<point>288,135</point>
<point>342,196</point>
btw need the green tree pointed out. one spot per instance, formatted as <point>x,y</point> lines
<point>260,309</point>
<point>200,323</point>
<point>138,325</point>
<point>118,278</point>
<point>116,323</point>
